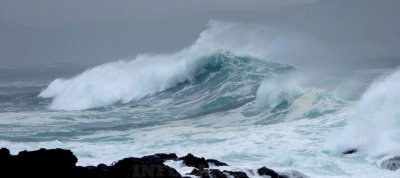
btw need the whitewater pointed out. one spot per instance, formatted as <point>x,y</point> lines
<point>228,96</point>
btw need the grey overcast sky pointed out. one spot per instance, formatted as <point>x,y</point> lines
<point>91,32</point>
<point>50,13</point>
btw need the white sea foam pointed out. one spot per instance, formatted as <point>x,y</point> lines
<point>282,147</point>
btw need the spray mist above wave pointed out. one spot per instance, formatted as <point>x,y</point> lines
<point>375,121</point>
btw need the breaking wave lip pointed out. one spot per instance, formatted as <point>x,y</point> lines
<point>125,81</point>
<point>121,81</point>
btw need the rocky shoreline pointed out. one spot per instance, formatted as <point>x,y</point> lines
<point>60,163</point>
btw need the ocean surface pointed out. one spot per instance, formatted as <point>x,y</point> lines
<point>229,104</point>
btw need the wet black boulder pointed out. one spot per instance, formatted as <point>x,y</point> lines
<point>391,163</point>
<point>264,171</point>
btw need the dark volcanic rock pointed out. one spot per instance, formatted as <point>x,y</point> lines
<point>216,162</point>
<point>40,163</point>
<point>6,162</point>
<point>103,167</point>
<point>58,163</point>
<point>350,151</point>
<point>143,168</point>
<point>208,173</point>
<point>5,157</point>
<point>162,156</point>
<point>392,163</point>
<point>4,153</point>
<point>55,158</point>
<point>237,174</point>
<point>215,173</point>
<point>195,171</point>
<point>193,161</point>
<point>200,163</point>
<point>264,171</point>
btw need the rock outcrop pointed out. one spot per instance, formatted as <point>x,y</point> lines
<point>264,171</point>
<point>216,173</point>
<point>59,163</point>
<point>349,151</point>
<point>200,163</point>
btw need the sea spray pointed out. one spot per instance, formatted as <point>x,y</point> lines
<point>375,121</point>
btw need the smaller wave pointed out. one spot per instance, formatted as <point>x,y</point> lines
<point>314,103</point>
<point>286,94</point>
<point>278,91</point>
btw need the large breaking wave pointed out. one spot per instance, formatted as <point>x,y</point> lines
<point>147,74</point>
